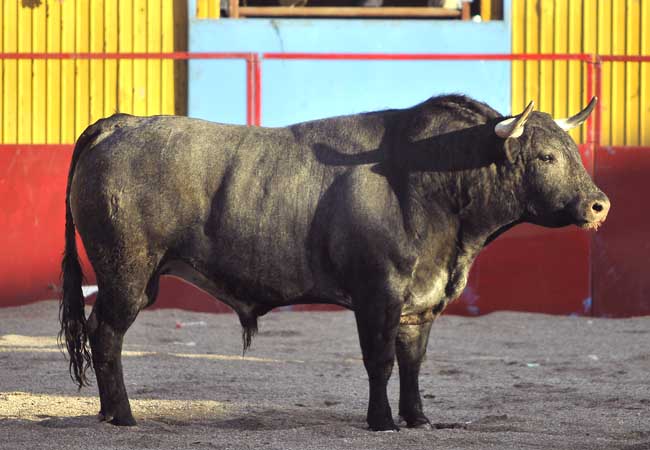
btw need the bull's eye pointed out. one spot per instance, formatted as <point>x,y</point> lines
<point>546,157</point>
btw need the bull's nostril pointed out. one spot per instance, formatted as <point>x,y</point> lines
<point>597,207</point>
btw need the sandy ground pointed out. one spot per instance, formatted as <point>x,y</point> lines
<point>502,381</point>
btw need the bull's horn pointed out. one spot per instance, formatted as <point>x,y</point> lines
<point>578,119</point>
<point>514,127</point>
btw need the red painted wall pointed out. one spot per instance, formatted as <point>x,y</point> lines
<point>32,189</point>
<point>621,250</point>
<point>527,269</point>
<point>32,193</point>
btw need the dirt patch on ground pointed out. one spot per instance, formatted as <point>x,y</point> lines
<point>502,381</point>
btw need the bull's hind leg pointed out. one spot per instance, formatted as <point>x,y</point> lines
<point>412,339</point>
<point>111,317</point>
<point>116,308</point>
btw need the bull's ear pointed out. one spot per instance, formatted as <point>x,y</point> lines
<point>578,119</point>
<point>514,127</point>
<point>511,148</point>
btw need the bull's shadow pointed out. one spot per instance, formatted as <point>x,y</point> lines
<point>454,151</point>
<point>442,156</point>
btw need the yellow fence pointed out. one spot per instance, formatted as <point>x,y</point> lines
<point>207,9</point>
<point>52,101</point>
<point>605,27</point>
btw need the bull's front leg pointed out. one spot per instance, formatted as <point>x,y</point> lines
<point>412,339</point>
<point>377,323</point>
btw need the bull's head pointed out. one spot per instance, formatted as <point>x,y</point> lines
<point>557,190</point>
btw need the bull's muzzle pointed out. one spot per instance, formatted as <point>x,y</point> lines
<point>594,211</point>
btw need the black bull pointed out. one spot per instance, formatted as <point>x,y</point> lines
<point>382,213</point>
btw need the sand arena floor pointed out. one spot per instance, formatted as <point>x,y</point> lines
<point>502,381</point>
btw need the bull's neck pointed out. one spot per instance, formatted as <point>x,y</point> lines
<point>469,181</point>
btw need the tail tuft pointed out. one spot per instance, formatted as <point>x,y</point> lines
<point>71,310</point>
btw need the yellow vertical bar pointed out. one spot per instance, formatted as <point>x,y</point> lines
<point>3,26</point>
<point>140,65</point>
<point>589,14</point>
<point>68,109</point>
<point>24,76</point>
<point>531,88</point>
<point>518,46</point>
<point>154,45</point>
<point>213,8</point>
<point>178,85</point>
<point>560,80</point>
<point>96,92</point>
<point>644,115</point>
<point>486,9</point>
<point>605,48</point>
<point>618,74</point>
<point>82,78</point>
<point>9,91</point>
<point>589,26</point>
<point>110,65</point>
<point>632,47</point>
<point>167,75</point>
<point>39,44</point>
<point>53,101</point>
<point>575,67</point>
<point>546,30</point>
<point>125,66</point>
<point>202,9</point>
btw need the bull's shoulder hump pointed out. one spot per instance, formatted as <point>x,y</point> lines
<point>463,105</point>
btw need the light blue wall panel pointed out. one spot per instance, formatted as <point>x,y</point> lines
<point>315,89</point>
<point>217,90</point>
<point>296,90</point>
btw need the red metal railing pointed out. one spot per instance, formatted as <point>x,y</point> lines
<point>433,56</point>
<point>254,68</point>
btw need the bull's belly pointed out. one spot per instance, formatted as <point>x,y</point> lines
<point>246,297</point>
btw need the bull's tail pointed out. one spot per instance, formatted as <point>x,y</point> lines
<point>71,309</point>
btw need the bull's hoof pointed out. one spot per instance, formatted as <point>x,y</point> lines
<point>384,424</point>
<point>384,428</point>
<point>420,422</point>
<point>127,421</point>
